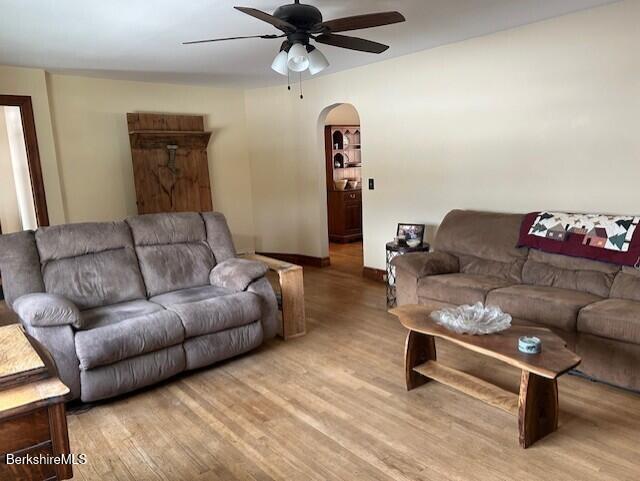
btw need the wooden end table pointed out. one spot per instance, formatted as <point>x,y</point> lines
<point>291,302</point>
<point>32,412</point>
<point>536,406</point>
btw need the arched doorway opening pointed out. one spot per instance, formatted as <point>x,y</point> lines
<point>343,165</point>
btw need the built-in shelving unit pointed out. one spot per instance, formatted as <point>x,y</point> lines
<point>345,154</point>
<point>343,145</point>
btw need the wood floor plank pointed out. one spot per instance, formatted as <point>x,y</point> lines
<point>332,405</point>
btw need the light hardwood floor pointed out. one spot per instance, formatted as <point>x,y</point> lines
<point>332,405</point>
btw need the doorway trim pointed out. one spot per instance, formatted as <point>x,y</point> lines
<point>33,154</point>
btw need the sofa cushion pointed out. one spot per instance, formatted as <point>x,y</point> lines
<point>610,361</point>
<point>91,264</point>
<point>218,314</point>
<point>194,294</point>
<point>458,288</point>
<point>128,338</point>
<point>133,373</point>
<point>105,315</point>
<point>172,250</point>
<point>626,285</point>
<point>617,319</point>
<point>484,242</point>
<point>550,306</point>
<point>219,236</point>
<point>555,270</point>
<point>205,350</point>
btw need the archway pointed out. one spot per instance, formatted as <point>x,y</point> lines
<point>341,139</point>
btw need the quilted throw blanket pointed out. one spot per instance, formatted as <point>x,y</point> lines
<point>607,238</point>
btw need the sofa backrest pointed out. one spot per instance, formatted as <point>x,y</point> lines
<point>484,242</point>
<point>556,270</point>
<point>91,264</point>
<point>219,236</point>
<point>19,265</point>
<point>172,250</point>
<point>626,284</point>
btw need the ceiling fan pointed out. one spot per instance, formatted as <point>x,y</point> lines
<point>302,23</point>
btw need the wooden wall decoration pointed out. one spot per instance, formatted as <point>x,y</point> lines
<point>170,165</point>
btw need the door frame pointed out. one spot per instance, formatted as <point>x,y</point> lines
<point>33,154</point>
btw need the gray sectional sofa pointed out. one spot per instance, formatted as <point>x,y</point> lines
<point>594,306</point>
<point>123,305</point>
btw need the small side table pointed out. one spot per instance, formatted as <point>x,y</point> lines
<point>394,250</point>
<point>33,421</point>
<point>291,298</point>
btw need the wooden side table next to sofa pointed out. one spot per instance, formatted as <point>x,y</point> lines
<point>291,298</point>
<point>33,421</point>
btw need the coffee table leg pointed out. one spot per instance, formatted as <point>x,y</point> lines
<point>419,348</point>
<point>537,408</point>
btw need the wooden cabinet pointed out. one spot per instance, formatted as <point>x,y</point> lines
<point>170,165</point>
<point>33,421</point>
<point>344,163</point>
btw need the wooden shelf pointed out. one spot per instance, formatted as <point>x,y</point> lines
<point>159,139</point>
<point>471,385</point>
<point>168,132</point>
<point>348,167</point>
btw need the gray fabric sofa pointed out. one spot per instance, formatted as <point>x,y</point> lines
<point>123,305</point>
<point>594,306</point>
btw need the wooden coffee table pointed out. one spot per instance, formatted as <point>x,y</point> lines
<point>537,404</point>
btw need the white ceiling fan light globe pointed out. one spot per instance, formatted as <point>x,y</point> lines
<point>280,63</point>
<point>298,59</point>
<point>317,61</point>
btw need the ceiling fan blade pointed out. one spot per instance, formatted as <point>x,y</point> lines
<point>230,38</point>
<point>364,21</point>
<point>352,43</point>
<point>265,17</point>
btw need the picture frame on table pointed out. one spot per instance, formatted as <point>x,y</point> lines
<point>411,232</point>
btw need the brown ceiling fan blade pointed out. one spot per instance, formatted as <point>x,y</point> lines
<point>265,17</point>
<point>352,43</point>
<point>364,21</point>
<point>230,38</point>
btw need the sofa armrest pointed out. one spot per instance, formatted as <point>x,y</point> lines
<point>47,310</point>
<point>423,264</point>
<point>269,305</point>
<point>59,341</point>
<point>236,274</point>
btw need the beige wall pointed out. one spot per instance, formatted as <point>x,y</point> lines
<point>343,114</point>
<point>539,117</point>
<point>32,82</point>
<point>543,116</point>
<point>89,116</point>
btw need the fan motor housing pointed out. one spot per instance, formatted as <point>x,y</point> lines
<point>304,17</point>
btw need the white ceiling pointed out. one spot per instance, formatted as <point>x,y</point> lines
<point>141,39</point>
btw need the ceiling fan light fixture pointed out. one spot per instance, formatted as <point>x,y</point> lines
<point>298,59</point>
<point>317,61</point>
<point>280,63</point>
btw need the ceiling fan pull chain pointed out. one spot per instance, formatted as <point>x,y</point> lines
<point>288,79</point>
<point>300,80</point>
